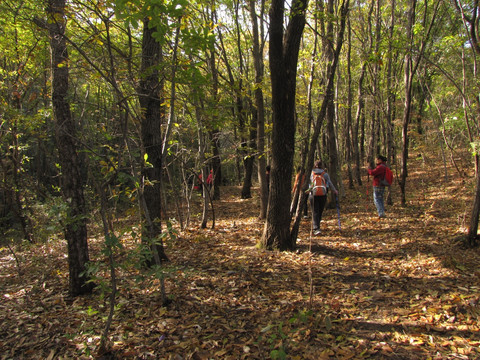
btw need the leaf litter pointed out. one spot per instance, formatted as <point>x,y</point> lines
<point>392,289</point>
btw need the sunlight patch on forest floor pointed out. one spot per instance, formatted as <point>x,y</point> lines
<point>392,288</point>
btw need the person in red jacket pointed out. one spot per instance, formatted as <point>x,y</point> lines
<point>378,189</point>
<point>210,179</point>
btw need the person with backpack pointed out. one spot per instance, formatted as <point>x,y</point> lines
<point>320,183</point>
<point>380,180</point>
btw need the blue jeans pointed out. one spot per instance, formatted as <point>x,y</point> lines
<point>378,192</point>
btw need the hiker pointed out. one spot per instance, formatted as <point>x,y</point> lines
<point>298,185</point>
<point>210,179</point>
<point>320,183</point>
<point>378,187</point>
<point>198,183</point>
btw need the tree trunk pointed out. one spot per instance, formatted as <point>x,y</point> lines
<point>300,201</point>
<point>259,107</point>
<point>349,117</point>
<point>284,48</point>
<point>214,131</point>
<point>71,178</point>
<point>390,98</point>
<point>408,78</point>
<point>410,71</point>
<point>331,132</point>
<point>471,23</point>
<point>152,117</point>
<point>216,165</point>
<point>329,94</point>
<point>356,138</point>
<point>238,91</point>
<point>473,226</point>
<point>249,160</point>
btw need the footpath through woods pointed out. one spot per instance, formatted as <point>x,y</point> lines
<point>395,288</point>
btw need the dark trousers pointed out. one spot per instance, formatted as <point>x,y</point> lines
<point>317,205</point>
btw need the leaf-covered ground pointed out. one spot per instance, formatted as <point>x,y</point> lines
<point>399,288</point>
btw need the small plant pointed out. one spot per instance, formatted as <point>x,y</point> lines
<point>281,334</point>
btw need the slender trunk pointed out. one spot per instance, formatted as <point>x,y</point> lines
<point>330,115</point>
<point>408,78</point>
<point>215,132</point>
<point>473,226</point>
<point>349,118</point>
<point>356,138</point>
<point>71,177</point>
<point>152,117</point>
<point>259,106</point>
<point>390,97</point>
<point>410,71</point>
<point>321,116</point>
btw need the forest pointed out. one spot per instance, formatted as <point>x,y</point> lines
<point>149,150</point>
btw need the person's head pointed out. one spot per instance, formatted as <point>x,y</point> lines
<point>268,168</point>
<point>318,164</point>
<point>381,159</point>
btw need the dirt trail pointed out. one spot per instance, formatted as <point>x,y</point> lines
<point>396,288</point>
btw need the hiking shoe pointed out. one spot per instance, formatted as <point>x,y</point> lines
<point>383,216</point>
<point>317,232</point>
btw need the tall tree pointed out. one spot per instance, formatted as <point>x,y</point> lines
<point>413,56</point>
<point>408,78</point>
<point>152,116</point>
<point>329,50</point>
<point>391,93</point>
<point>214,128</point>
<point>470,19</point>
<point>257,53</point>
<point>65,131</point>
<point>329,94</point>
<point>283,53</point>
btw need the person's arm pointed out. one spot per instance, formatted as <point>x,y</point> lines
<point>310,184</point>
<point>330,183</point>
<point>377,171</point>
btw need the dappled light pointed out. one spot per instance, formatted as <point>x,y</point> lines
<point>398,288</point>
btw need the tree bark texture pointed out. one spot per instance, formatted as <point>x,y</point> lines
<point>283,53</point>
<point>75,226</point>
<point>150,88</point>
<point>408,74</point>
<point>330,116</point>
<point>473,226</point>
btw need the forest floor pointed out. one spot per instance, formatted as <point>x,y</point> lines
<point>403,287</point>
